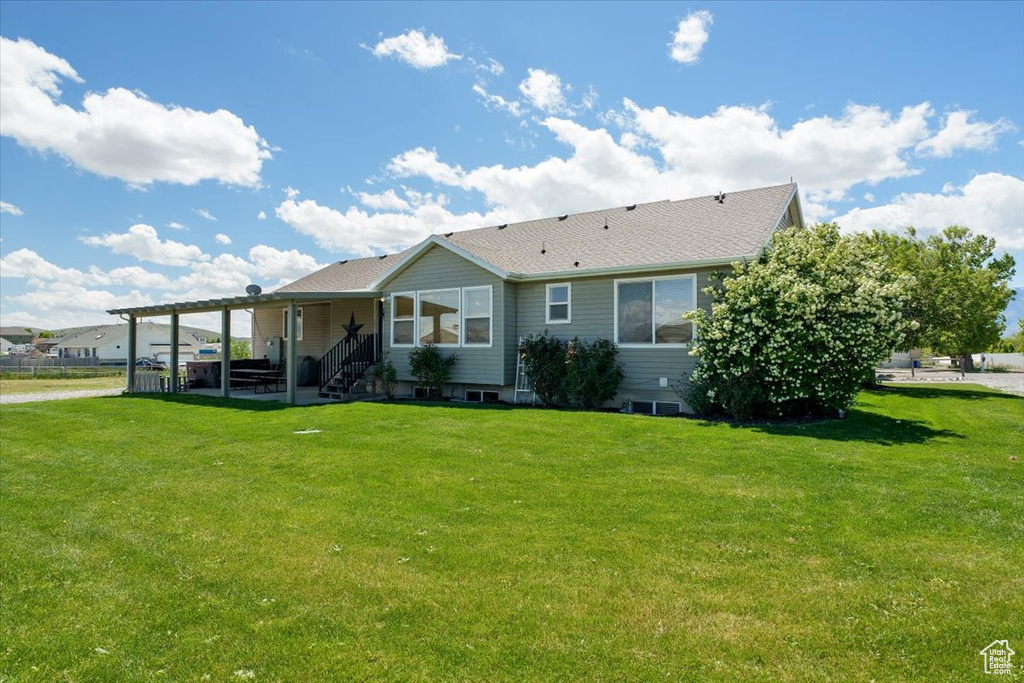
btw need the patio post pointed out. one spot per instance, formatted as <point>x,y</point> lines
<point>132,344</point>
<point>291,372</point>
<point>174,352</point>
<point>225,352</point>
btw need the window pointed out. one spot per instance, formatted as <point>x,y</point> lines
<point>438,317</point>
<point>298,323</point>
<point>443,317</point>
<point>403,322</point>
<point>476,306</point>
<point>650,312</point>
<point>559,303</point>
<point>481,396</point>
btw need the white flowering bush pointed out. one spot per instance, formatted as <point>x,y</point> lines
<point>797,332</point>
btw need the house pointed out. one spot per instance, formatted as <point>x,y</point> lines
<point>626,274</point>
<point>5,345</point>
<point>17,335</point>
<point>110,343</point>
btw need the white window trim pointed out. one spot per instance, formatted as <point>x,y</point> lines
<point>420,293</point>
<point>415,331</point>
<point>490,318</point>
<point>652,344</point>
<point>547,303</point>
<point>298,324</point>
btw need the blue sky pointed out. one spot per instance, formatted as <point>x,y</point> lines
<point>154,152</point>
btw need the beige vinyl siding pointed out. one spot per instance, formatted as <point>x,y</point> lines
<point>321,326</point>
<point>593,310</point>
<point>439,268</point>
<point>341,313</point>
<point>266,323</point>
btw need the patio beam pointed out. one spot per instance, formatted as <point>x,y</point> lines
<point>291,372</point>
<point>132,344</point>
<point>225,352</point>
<point>174,352</point>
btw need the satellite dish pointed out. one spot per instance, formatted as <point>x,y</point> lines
<point>253,290</point>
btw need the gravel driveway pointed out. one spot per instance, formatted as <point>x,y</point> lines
<point>1010,382</point>
<point>57,395</point>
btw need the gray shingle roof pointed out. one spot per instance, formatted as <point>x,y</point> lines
<point>654,234</point>
<point>344,276</point>
<point>658,233</point>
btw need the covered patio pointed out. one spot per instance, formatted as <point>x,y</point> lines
<point>264,305</point>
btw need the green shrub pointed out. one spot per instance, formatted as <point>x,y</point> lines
<point>544,364</point>
<point>592,374</point>
<point>431,369</point>
<point>386,374</point>
<point>577,373</point>
<point>797,332</point>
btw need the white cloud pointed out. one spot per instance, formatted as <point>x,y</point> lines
<point>959,132</point>
<point>415,49</point>
<point>222,238</point>
<point>69,301</point>
<point>174,225</point>
<point>544,91</point>
<point>656,154</point>
<point>286,266</point>
<point>357,232</point>
<point>868,197</point>
<point>291,192</point>
<point>387,200</point>
<point>121,133</point>
<point>62,297</point>
<point>6,207</point>
<point>991,203</point>
<point>497,102</point>
<point>424,162</point>
<point>491,66</point>
<point>26,263</point>
<point>203,213</point>
<point>261,216</point>
<point>142,242</point>
<point>690,36</point>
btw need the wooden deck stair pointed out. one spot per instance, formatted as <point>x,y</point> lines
<point>347,369</point>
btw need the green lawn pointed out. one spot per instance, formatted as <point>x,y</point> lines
<point>171,538</point>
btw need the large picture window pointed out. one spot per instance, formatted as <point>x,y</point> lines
<point>650,311</point>
<point>403,319</point>
<point>443,317</point>
<point>438,316</point>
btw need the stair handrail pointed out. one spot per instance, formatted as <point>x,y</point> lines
<point>350,357</point>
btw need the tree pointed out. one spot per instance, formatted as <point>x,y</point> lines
<point>961,289</point>
<point>796,332</point>
<point>240,349</point>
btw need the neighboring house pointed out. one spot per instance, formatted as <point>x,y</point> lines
<point>627,274</point>
<point>5,345</point>
<point>110,343</point>
<point>17,335</point>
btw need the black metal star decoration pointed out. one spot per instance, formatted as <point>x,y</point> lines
<point>352,328</point>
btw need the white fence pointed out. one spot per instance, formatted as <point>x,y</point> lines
<point>1010,360</point>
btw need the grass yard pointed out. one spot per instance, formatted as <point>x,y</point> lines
<point>175,538</point>
<point>32,386</point>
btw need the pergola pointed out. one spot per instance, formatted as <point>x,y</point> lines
<point>289,301</point>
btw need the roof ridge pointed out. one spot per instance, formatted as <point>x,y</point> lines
<point>624,207</point>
